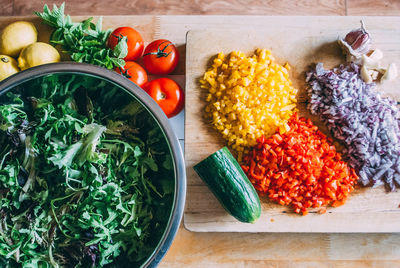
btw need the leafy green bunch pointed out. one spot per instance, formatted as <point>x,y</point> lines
<point>83,182</point>
<point>84,41</point>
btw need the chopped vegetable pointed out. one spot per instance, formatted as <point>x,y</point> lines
<point>372,70</point>
<point>372,60</point>
<point>85,175</point>
<point>84,41</point>
<point>357,115</point>
<point>300,168</point>
<point>248,97</point>
<point>391,73</point>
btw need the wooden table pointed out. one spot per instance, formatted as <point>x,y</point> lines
<point>255,249</point>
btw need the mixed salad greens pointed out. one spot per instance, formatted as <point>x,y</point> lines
<point>86,176</point>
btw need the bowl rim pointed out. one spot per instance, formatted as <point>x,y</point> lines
<point>178,205</point>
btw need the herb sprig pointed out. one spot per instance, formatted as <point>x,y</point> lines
<point>83,41</point>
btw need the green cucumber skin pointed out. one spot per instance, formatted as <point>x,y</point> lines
<point>226,179</point>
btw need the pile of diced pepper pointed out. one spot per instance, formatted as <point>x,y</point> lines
<point>300,168</point>
<point>248,97</point>
<point>252,103</point>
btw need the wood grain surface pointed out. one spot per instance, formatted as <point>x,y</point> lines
<point>188,7</point>
<point>278,250</point>
<point>302,42</point>
<point>368,7</point>
<point>6,7</point>
<point>208,7</point>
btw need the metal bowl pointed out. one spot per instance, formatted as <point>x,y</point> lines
<point>154,110</point>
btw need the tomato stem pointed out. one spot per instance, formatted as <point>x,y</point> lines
<point>119,37</point>
<point>162,96</point>
<point>124,72</point>
<point>160,52</point>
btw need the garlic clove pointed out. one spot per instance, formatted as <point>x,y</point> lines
<point>381,70</point>
<point>376,54</point>
<point>369,62</point>
<point>374,74</point>
<point>365,75</point>
<point>391,73</point>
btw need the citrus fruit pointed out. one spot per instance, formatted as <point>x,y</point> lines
<point>37,54</point>
<point>8,66</point>
<point>16,36</point>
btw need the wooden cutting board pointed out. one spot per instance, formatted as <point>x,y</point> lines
<point>300,41</point>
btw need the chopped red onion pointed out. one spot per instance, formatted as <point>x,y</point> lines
<point>367,123</point>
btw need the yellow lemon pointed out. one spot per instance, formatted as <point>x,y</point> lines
<point>8,66</point>
<point>37,54</point>
<point>16,36</point>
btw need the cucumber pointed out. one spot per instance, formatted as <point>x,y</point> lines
<point>226,179</point>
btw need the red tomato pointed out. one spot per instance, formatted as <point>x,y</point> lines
<point>133,72</point>
<point>168,95</point>
<point>160,57</point>
<point>135,41</point>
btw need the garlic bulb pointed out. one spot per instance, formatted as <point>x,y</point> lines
<point>356,43</point>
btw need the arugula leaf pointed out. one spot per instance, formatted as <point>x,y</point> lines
<point>64,158</point>
<point>83,41</point>
<point>12,115</point>
<point>89,144</point>
<point>80,188</point>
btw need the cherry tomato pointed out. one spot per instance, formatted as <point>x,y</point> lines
<point>168,95</point>
<point>133,72</point>
<point>135,41</point>
<point>160,57</point>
